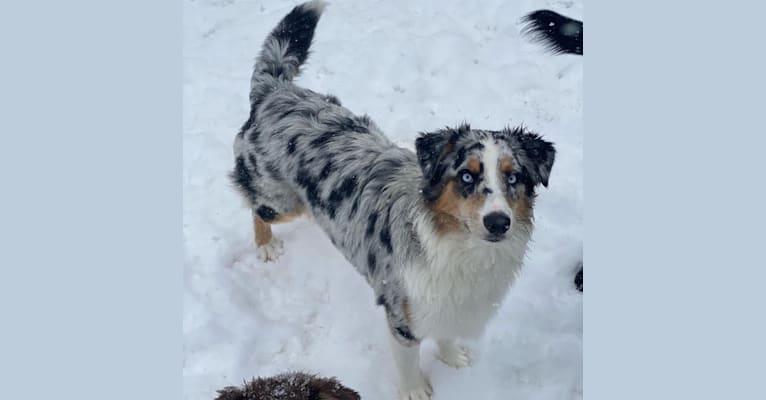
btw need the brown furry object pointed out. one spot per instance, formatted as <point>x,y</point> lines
<point>289,386</point>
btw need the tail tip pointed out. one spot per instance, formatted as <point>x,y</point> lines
<point>316,6</point>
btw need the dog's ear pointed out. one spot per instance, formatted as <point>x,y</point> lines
<point>432,149</point>
<point>537,154</point>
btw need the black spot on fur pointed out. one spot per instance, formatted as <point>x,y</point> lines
<point>355,206</point>
<point>381,300</point>
<point>371,220</point>
<point>342,192</point>
<point>304,179</point>
<point>360,124</point>
<point>371,263</point>
<point>475,146</point>
<point>253,164</point>
<point>459,157</point>
<point>291,143</point>
<point>404,332</point>
<point>273,171</point>
<point>385,238</point>
<point>312,186</point>
<point>326,170</point>
<point>323,139</point>
<point>266,213</point>
<point>285,113</point>
<point>242,178</point>
<point>462,153</point>
<point>466,190</point>
<point>392,167</point>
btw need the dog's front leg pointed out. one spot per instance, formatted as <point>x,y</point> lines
<point>413,385</point>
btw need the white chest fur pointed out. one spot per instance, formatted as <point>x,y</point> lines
<point>458,285</point>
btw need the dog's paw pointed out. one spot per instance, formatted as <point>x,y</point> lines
<point>419,393</point>
<point>454,355</point>
<point>270,251</point>
<point>415,387</point>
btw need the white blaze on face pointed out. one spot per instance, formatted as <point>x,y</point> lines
<point>495,201</point>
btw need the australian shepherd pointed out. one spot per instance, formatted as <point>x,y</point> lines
<point>439,233</point>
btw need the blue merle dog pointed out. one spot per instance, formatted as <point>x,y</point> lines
<point>439,234</point>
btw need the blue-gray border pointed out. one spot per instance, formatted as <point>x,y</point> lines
<point>91,216</point>
<point>673,118</point>
<point>90,165</point>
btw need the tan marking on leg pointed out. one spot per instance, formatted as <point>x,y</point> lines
<point>262,231</point>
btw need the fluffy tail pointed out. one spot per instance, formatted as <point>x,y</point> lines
<point>559,34</point>
<point>287,46</point>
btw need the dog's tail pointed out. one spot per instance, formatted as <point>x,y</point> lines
<point>287,46</point>
<point>558,33</point>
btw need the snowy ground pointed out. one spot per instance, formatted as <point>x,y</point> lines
<point>413,66</point>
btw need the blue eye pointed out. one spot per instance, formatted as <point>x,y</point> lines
<point>511,179</point>
<point>467,177</point>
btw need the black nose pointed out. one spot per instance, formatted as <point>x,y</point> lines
<point>497,223</point>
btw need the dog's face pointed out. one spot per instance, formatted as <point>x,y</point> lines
<point>483,182</point>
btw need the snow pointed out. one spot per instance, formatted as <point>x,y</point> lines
<point>412,66</point>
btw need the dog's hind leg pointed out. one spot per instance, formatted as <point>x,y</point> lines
<point>269,247</point>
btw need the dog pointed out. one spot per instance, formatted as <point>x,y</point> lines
<point>558,33</point>
<point>289,386</point>
<point>439,233</point>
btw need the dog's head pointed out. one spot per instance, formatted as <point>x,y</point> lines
<point>483,182</point>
